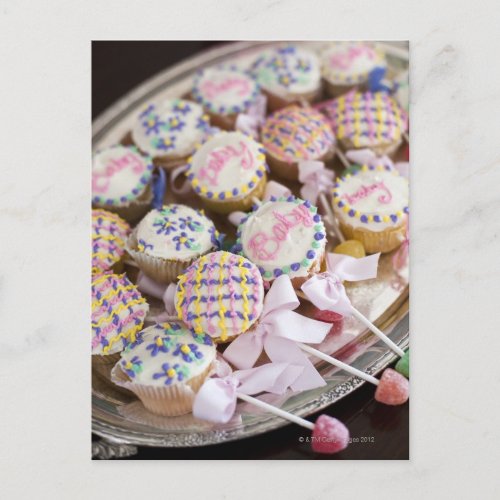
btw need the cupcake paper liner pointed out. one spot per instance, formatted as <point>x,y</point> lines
<point>381,241</point>
<point>243,204</point>
<point>160,270</point>
<point>167,401</point>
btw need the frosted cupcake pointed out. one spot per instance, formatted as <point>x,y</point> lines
<point>287,74</point>
<point>167,241</point>
<point>169,131</point>
<point>109,234</point>
<point>285,236</point>
<point>366,120</point>
<point>371,206</point>
<point>293,134</point>
<point>345,65</point>
<point>121,181</point>
<point>165,368</point>
<point>228,171</point>
<point>118,313</point>
<point>224,92</point>
<point>220,294</point>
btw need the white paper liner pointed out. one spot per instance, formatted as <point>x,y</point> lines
<point>166,401</point>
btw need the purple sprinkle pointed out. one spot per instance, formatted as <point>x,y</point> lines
<point>311,254</point>
<point>340,204</point>
<point>376,218</point>
<point>394,218</point>
<point>316,218</point>
<point>364,218</point>
<point>278,272</point>
<point>295,266</point>
<point>319,236</point>
<point>351,213</point>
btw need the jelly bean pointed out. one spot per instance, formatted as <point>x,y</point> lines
<point>393,388</point>
<point>329,435</point>
<point>403,365</point>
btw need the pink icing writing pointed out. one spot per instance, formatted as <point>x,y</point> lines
<point>365,191</point>
<point>266,246</point>
<point>219,158</point>
<point>344,59</point>
<point>101,180</point>
<point>212,89</point>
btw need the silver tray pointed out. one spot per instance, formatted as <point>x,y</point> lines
<point>120,418</point>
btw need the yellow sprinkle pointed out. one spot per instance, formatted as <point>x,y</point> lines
<point>185,349</point>
<point>370,218</point>
<point>346,208</point>
<point>171,373</point>
<point>159,341</point>
<point>386,218</point>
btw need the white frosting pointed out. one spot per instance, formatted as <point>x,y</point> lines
<point>224,90</point>
<point>272,244</point>
<point>227,161</point>
<point>373,192</point>
<point>117,172</point>
<point>185,353</point>
<point>170,129</point>
<point>288,71</point>
<point>350,62</point>
<point>175,232</point>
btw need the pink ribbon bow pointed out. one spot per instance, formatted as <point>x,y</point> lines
<point>326,290</point>
<point>162,292</point>
<point>368,157</point>
<point>273,190</point>
<point>251,121</point>
<point>316,179</point>
<point>277,331</point>
<point>216,399</point>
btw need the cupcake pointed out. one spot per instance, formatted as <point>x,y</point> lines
<point>287,74</point>
<point>224,92</point>
<point>220,294</point>
<point>121,181</point>
<point>169,131</point>
<point>228,171</point>
<point>371,206</point>
<point>346,65</point>
<point>366,120</point>
<point>109,233</point>
<point>283,236</point>
<point>293,134</point>
<point>118,313</point>
<point>167,241</point>
<point>165,367</point>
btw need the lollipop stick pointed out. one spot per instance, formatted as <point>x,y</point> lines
<point>276,411</point>
<point>342,158</point>
<point>381,335</point>
<point>338,364</point>
<point>256,201</point>
<point>331,217</point>
<point>406,138</point>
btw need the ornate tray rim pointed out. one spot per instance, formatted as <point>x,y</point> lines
<point>395,319</point>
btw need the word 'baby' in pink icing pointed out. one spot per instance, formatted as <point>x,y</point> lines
<point>238,85</point>
<point>365,191</point>
<point>267,246</point>
<point>345,59</point>
<point>101,180</point>
<point>219,158</point>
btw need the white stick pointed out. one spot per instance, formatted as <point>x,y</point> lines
<point>276,411</point>
<point>256,201</point>
<point>338,364</point>
<point>381,335</point>
<point>331,217</point>
<point>342,158</point>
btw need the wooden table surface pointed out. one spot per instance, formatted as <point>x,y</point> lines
<point>377,431</point>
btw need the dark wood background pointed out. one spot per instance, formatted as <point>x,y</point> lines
<point>118,67</point>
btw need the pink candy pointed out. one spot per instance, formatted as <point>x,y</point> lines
<point>329,435</point>
<point>393,389</point>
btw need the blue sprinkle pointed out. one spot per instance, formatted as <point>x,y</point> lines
<point>394,218</point>
<point>295,266</point>
<point>351,213</point>
<point>311,254</point>
<point>209,194</point>
<point>319,236</point>
<point>376,218</point>
<point>235,191</point>
<point>406,210</point>
<point>316,218</point>
<point>340,204</point>
<point>278,272</point>
<point>222,195</point>
<point>364,218</point>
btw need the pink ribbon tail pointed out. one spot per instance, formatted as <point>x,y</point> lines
<point>275,190</point>
<point>316,179</point>
<point>367,157</point>
<point>185,186</point>
<point>162,292</point>
<point>251,121</point>
<point>235,218</point>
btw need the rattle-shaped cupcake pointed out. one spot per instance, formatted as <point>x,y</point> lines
<point>284,236</point>
<point>118,313</point>
<point>121,178</point>
<point>109,233</point>
<point>224,92</point>
<point>170,130</point>
<point>371,205</point>
<point>228,171</point>
<point>366,120</point>
<point>348,64</point>
<point>295,134</point>
<point>165,367</point>
<point>220,294</point>
<point>168,240</point>
<point>287,74</point>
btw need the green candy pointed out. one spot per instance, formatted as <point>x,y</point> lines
<point>403,365</point>
<point>351,170</point>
